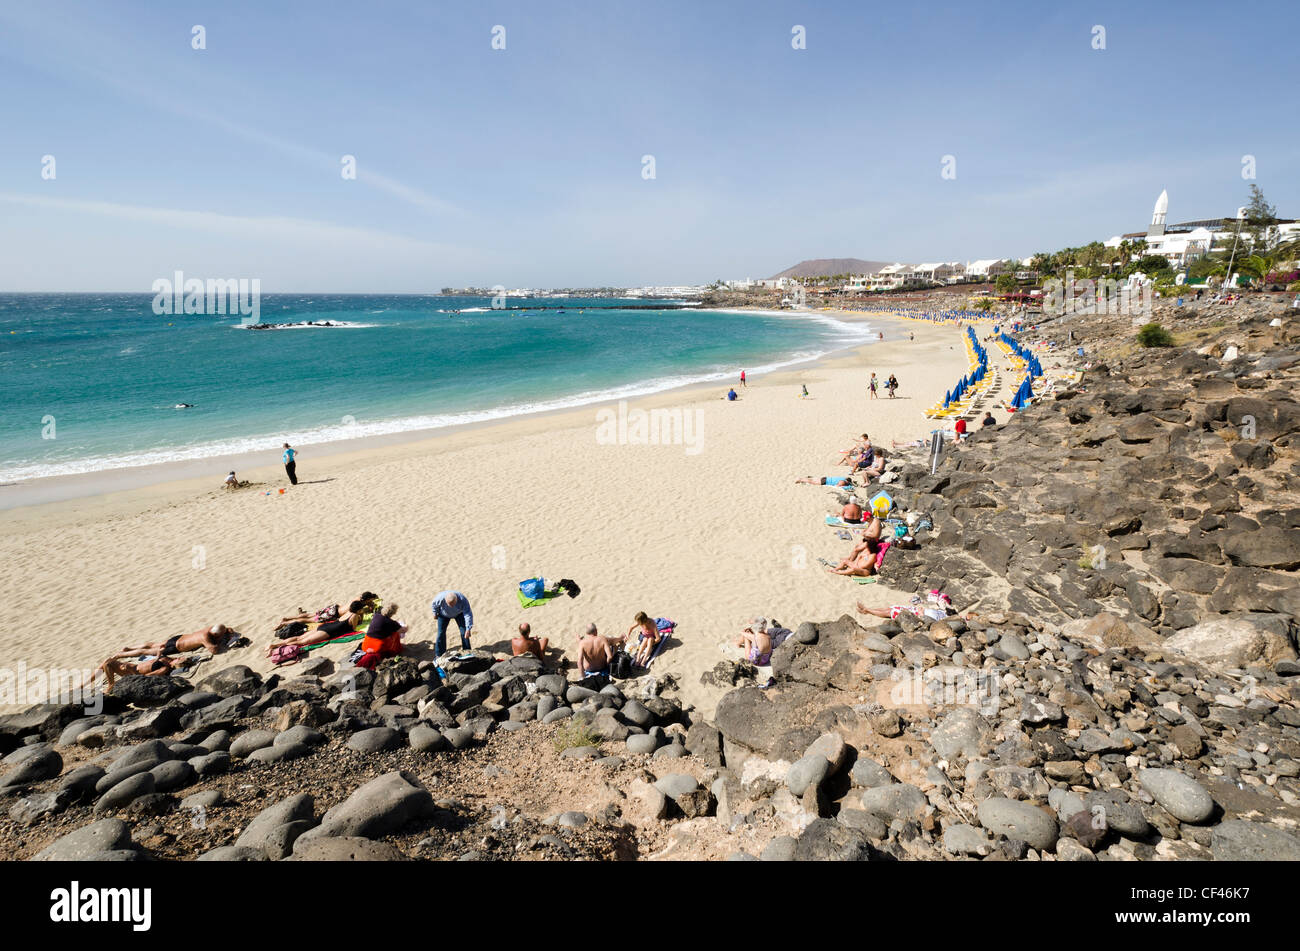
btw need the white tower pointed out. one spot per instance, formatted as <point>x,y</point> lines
<point>1158,215</point>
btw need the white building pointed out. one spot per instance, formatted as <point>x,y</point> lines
<point>939,272</point>
<point>985,269</point>
<point>1186,241</point>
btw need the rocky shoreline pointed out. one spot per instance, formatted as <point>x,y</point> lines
<point>1126,686</point>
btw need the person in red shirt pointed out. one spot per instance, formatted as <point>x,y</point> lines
<point>961,428</point>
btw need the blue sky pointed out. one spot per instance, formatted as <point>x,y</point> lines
<point>523,166</point>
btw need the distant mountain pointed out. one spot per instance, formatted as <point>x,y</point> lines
<point>825,267</point>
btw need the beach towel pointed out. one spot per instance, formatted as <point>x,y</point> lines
<point>534,602</point>
<point>341,639</point>
<point>834,521</point>
<point>666,629</point>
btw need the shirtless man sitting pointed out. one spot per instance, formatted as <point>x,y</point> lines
<point>852,513</point>
<point>594,653</point>
<point>525,643</point>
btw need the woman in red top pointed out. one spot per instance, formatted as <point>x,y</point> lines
<point>961,428</point>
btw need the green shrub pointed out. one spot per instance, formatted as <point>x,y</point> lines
<point>574,732</point>
<point>1153,335</point>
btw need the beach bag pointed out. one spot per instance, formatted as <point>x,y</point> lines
<point>533,588</point>
<point>283,654</point>
<point>621,667</point>
<point>292,629</point>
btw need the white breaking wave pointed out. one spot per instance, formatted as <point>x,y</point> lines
<point>270,443</point>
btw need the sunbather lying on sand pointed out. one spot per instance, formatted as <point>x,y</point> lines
<point>216,639</point>
<point>330,612</point>
<point>594,653</point>
<point>525,643</point>
<point>328,630</point>
<point>113,669</point>
<point>935,608</point>
<point>845,481</point>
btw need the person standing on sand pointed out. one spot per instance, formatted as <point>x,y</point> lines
<point>290,466</point>
<point>871,386</point>
<point>448,606</point>
<point>742,379</point>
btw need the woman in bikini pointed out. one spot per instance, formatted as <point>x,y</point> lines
<point>330,613</point>
<point>113,668</point>
<point>329,630</point>
<point>649,638</point>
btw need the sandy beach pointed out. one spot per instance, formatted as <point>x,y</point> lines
<point>708,529</point>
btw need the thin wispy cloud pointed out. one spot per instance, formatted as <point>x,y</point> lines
<point>263,226</point>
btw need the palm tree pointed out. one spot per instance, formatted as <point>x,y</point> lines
<point>1260,265</point>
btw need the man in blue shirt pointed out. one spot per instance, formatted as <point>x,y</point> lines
<point>290,467</point>
<point>448,606</point>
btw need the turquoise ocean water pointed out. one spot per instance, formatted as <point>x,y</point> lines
<point>102,373</point>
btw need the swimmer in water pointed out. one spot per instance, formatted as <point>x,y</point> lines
<point>184,406</point>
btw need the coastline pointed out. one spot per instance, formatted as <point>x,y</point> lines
<point>200,472</point>
<point>709,538</point>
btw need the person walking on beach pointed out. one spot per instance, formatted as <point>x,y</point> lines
<point>742,379</point>
<point>449,606</point>
<point>891,384</point>
<point>871,386</point>
<point>290,466</point>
